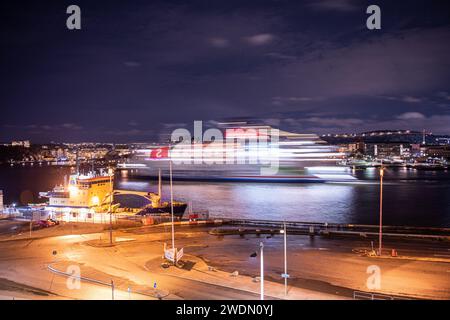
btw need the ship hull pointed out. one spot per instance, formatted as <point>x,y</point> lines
<point>256,179</point>
<point>178,210</point>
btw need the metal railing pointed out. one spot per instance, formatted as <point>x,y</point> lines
<point>361,295</point>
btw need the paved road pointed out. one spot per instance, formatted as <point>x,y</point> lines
<point>318,264</point>
<point>328,265</point>
<point>25,262</point>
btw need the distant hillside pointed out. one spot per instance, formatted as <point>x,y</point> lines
<point>400,136</point>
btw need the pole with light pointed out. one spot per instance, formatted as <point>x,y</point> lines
<point>31,223</point>
<point>111,173</point>
<point>261,245</point>
<point>285,275</point>
<point>112,289</point>
<point>380,240</point>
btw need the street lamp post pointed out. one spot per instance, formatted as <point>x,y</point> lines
<point>285,274</point>
<point>31,223</point>
<point>380,240</point>
<point>261,245</point>
<point>112,289</point>
<point>110,172</point>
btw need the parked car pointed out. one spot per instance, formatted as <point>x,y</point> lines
<point>45,223</point>
<point>36,225</point>
<point>55,222</point>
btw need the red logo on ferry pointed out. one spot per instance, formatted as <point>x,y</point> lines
<point>160,153</point>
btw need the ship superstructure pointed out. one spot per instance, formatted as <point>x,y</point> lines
<point>255,153</point>
<point>82,193</point>
<point>85,195</point>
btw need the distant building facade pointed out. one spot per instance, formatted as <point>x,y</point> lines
<point>437,151</point>
<point>1,201</point>
<point>443,141</point>
<point>388,150</point>
<point>21,143</point>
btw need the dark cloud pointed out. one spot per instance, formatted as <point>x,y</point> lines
<point>334,5</point>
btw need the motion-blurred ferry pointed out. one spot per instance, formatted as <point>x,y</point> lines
<point>259,153</point>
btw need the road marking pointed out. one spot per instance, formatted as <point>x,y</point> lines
<point>442,255</point>
<point>123,239</point>
<point>69,236</point>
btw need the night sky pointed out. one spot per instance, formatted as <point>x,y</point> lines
<point>139,68</point>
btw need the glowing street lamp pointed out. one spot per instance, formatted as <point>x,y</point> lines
<point>285,275</point>
<point>261,278</point>
<point>111,174</point>
<point>381,211</point>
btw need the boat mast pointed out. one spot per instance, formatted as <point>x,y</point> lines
<point>171,209</point>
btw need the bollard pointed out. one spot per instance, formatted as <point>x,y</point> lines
<point>394,253</point>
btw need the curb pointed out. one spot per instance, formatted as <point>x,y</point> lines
<point>62,273</point>
<point>413,258</point>
<point>219,285</point>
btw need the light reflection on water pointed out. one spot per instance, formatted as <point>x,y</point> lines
<point>410,198</point>
<point>299,202</point>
